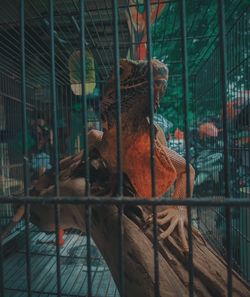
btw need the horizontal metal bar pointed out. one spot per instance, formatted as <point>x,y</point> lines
<point>237,202</point>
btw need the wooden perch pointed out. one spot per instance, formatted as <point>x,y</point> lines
<point>210,270</point>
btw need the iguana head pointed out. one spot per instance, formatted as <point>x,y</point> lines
<point>134,85</point>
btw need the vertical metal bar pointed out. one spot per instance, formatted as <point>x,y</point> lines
<point>27,245</point>
<point>84,99</point>
<point>223,74</point>
<point>85,135</point>
<point>118,98</point>
<point>152,147</point>
<point>190,253</point>
<point>118,143</point>
<point>229,249</point>
<point>58,263</point>
<point>121,251</point>
<point>183,24</point>
<point>55,141</point>
<point>24,99</point>
<point>25,146</point>
<point>151,97</point>
<point>1,269</point>
<point>53,95</point>
<point>156,258</point>
<point>185,89</point>
<point>88,225</point>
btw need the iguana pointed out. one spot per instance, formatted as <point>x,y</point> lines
<point>169,166</point>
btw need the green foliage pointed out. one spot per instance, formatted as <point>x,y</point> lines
<point>202,40</point>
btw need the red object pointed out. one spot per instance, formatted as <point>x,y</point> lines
<point>243,140</point>
<point>208,130</point>
<point>136,19</point>
<point>141,50</point>
<point>235,106</point>
<point>61,239</point>
<point>178,134</point>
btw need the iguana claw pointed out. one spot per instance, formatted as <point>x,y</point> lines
<point>175,217</point>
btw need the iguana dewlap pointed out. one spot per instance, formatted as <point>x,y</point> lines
<point>137,166</point>
<point>137,163</point>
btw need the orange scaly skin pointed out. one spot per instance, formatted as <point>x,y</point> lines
<point>169,166</point>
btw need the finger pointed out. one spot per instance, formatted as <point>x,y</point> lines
<point>165,220</point>
<point>159,216</point>
<point>162,213</point>
<point>149,219</point>
<point>182,235</point>
<point>170,229</point>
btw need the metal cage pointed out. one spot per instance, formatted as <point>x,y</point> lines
<point>54,61</point>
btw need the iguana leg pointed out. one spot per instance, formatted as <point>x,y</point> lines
<point>94,137</point>
<point>176,216</point>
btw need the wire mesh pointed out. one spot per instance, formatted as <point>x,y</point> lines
<point>209,151</point>
<point>68,49</point>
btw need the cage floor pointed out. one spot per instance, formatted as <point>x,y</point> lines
<point>43,268</point>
